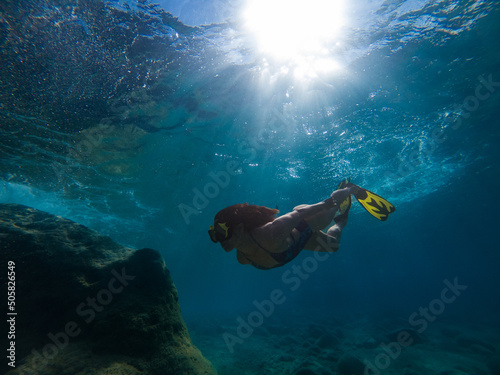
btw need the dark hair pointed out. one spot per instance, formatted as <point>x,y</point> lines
<point>250,215</point>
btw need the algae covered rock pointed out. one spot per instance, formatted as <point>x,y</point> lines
<point>87,305</point>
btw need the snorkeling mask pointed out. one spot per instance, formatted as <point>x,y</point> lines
<point>220,232</point>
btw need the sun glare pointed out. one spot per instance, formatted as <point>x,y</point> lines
<point>296,32</point>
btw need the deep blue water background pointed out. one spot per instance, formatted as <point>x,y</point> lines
<point>403,119</point>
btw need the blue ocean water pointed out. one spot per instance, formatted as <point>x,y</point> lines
<point>143,126</point>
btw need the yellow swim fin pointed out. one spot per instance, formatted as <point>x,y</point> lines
<point>373,203</point>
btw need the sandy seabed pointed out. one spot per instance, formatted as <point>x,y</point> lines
<point>299,345</point>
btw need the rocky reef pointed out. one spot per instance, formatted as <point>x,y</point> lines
<point>79,303</point>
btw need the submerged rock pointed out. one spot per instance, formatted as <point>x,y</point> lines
<point>450,332</point>
<point>408,336</point>
<point>315,331</point>
<point>494,366</point>
<point>474,344</point>
<point>311,367</point>
<point>305,371</point>
<point>351,366</point>
<point>313,370</point>
<point>327,341</point>
<point>86,304</point>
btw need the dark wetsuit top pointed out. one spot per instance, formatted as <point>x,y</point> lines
<point>295,248</point>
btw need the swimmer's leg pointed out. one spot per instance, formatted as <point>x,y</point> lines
<point>322,242</point>
<point>329,241</point>
<point>320,215</point>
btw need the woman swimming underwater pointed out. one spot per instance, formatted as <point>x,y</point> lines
<point>266,242</point>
